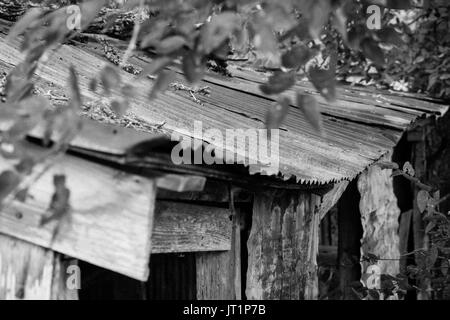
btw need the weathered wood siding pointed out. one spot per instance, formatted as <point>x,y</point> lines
<point>283,246</point>
<point>28,271</point>
<point>109,222</point>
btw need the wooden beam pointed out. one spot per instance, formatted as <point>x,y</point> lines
<point>109,223</point>
<point>28,272</point>
<point>182,227</point>
<point>219,273</point>
<point>283,246</point>
<point>380,218</point>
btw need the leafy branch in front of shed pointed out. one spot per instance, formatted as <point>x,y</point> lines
<point>284,37</point>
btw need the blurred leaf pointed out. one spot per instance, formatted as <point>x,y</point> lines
<point>430,226</point>
<point>170,44</point>
<point>340,22</point>
<point>193,67</point>
<point>165,78</point>
<point>296,57</point>
<point>278,82</point>
<point>60,201</point>
<point>75,94</point>
<point>110,78</point>
<point>9,180</point>
<point>217,30</point>
<point>277,113</point>
<point>324,81</point>
<point>318,14</point>
<point>310,108</point>
<point>372,51</point>
<point>389,35</point>
<point>156,65</point>
<point>24,23</point>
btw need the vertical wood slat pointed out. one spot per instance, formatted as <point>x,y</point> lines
<point>28,271</point>
<point>219,273</point>
<point>283,246</point>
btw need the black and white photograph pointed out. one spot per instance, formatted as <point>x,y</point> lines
<point>225,155</point>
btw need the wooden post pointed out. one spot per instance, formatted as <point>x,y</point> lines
<point>379,218</point>
<point>219,273</point>
<point>284,243</point>
<point>28,271</point>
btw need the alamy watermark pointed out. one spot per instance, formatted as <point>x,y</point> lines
<point>256,148</point>
<point>73,22</point>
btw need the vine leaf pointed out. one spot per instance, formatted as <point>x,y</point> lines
<point>193,68</point>
<point>408,169</point>
<point>278,82</point>
<point>324,81</point>
<point>165,78</point>
<point>422,199</point>
<point>431,257</point>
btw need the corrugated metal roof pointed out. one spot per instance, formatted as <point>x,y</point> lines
<point>360,127</point>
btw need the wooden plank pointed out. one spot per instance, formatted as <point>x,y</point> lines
<point>219,273</point>
<point>379,218</point>
<point>183,227</point>
<point>283,246</point>
<point>28,271</point>
<point>109,223</point>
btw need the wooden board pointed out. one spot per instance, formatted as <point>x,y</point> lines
<point>283,246</point>
<point>28,272</point>
<point>219,273</point>
<point>109,223</point>
<point>379,218</point>
<point>182,227</point>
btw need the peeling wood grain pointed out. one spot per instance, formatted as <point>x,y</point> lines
<point>380,218</point>
<point>219,273</point>
<point>182,227</point>
<point>283,246</point>
<point>30,272</point>
<point>109,223</point>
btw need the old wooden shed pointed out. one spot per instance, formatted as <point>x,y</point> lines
<point>143,227</point>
